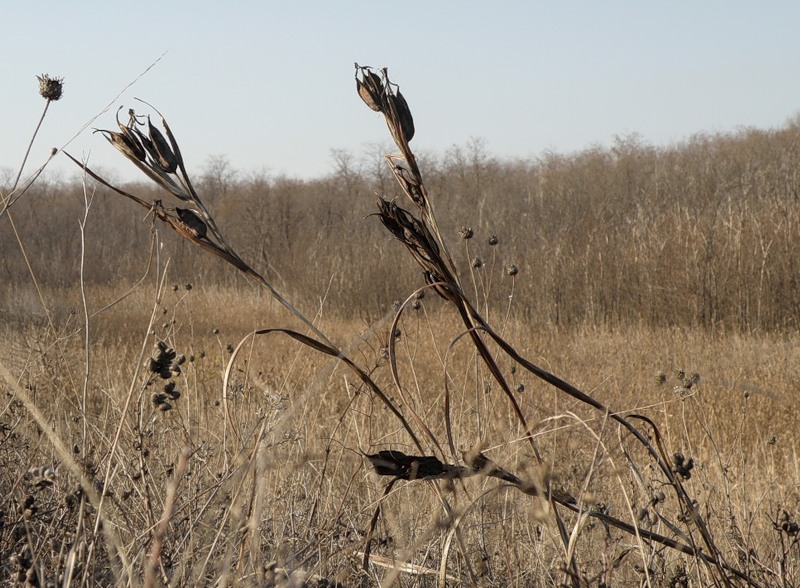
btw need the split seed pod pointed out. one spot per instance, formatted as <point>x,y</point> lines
<point>164,156</point>
<point>193,221</point>
<point>370,89</point>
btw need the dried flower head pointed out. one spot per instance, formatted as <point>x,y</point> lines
<point>466,232</point>
<point>477,263</point>
<point>50,88</point>
<point>512,270</point>
<point>493,240</point>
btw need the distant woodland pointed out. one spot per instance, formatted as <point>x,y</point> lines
<point>702,234</point>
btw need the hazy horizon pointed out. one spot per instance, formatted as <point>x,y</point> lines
<point>270,86</point>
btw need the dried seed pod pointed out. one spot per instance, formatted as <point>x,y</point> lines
<point>370,88</point>
<point>403,115</point>
<point>131,149</point>
<point>164,156</point>
<point>367,96</point>
<point>193,221</point>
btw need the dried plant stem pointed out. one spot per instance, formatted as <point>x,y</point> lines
<point>30,145</point>
<point>163,524</point>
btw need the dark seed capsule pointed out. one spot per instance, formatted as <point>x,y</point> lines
<point>164,156</point>
<point>403,115</point>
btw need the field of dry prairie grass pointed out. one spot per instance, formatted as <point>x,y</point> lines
<point>286,465</point>
<point>612,402</point>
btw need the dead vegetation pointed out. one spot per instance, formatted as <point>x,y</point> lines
<point>428,447</point>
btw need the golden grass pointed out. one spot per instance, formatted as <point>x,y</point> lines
<point>305,486</point>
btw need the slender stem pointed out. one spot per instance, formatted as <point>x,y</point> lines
<point>30,146</point>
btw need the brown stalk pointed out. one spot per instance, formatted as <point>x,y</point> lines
<point>423,240</point>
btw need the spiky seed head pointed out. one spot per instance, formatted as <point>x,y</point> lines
<point>50,88</point>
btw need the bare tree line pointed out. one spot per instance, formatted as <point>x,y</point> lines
<point>698,234</point>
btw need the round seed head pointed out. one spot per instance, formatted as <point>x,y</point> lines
<point>477,263</point>
<point>50,88</point>
<point>493,240</point>
<point>466,232</point>
<point>512,270</point>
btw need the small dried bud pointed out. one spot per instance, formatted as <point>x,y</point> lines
<point>50,88</point>
<point>660,378</point>
<point>477,263</point>
<point>466,233</point>
<point>520,387</point>
<point>493,240</point>
<point>512,270</point>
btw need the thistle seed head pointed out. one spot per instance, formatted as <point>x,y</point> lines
<point>50,88</point>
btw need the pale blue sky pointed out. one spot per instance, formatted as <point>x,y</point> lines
<point>270,84</point>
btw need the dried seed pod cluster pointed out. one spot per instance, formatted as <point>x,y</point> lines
<point>682,466</point>
<point>379,94</point>
<point>166,363</point>
<point>156,155</point>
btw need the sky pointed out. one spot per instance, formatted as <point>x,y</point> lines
<point>269,85</point>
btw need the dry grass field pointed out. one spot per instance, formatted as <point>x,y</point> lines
<point>204,407</point>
